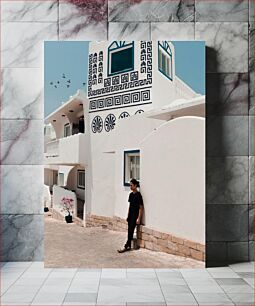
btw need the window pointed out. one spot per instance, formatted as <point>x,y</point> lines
<point>131,166</point>
<point>165,60</point>
<point>67,130</point>
<point>61,179</point>
<point>120,57</point>
<point>81,179</point>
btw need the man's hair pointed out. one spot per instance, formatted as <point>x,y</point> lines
<point>135,182</point>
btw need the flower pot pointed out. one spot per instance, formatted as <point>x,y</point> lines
<point>69,218</point>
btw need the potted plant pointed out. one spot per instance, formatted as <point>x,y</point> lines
<point>67,204</point>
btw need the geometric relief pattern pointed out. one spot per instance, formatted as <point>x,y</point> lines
<point>109,122</point>
<point>149,61</point>
<point>146,59</point>
<point>121,100</point>
<point>124,115</point>
<point>123,81</point>
<point>97,124</point>
<point>113,84</point>
<point>139,111</point>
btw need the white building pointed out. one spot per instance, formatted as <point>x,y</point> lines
<point>64,153</point>
<point>142,121</point>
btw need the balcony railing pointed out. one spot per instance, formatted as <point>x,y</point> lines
<point>52,148</point>
<point>69,149</point>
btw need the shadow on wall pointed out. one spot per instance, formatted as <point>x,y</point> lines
<point>226,225</point>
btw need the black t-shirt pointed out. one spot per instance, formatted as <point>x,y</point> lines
<point>135,199</point>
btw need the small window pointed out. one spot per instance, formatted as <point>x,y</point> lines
<point>131,166</point>
<point>121,59</point>
<point>81,179</point>
<point>67,130</point>
<point>165,61</point>
<point>61,179</point>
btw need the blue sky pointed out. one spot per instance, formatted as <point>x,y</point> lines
<point>70,58</point>
<point>65,68</point>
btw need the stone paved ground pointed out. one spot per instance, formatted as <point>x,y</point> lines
<point>70,245</point>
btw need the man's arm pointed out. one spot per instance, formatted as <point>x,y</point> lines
<point>128,212</point>
<point>140,212</point>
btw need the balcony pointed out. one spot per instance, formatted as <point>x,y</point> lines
<point>67,150</point>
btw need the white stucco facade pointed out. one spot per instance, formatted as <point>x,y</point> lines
<point>140,109</point>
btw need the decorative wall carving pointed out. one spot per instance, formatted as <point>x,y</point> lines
<point>121,100</point>
<point>97,124</point>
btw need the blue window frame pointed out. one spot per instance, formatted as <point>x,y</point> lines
<point>165,63</point>
<point>131,166</point>
<point>120,57</point>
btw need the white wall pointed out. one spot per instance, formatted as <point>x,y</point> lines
<point>65,170</point>
<point>72,182</point>
<point>67,150</point>
<point>100,178</point>
<point>46,196</point>
<point>173,178</point>
<point>128,136</point>
<point>48,179</point>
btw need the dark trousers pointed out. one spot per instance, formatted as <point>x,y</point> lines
<point>131,229</point>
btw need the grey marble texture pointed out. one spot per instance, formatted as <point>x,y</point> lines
<point>23,10</point>
<point>21,142</point>
<point>83,21</point>
<point>251,68</point>
<point>151,10</point>
<point>227,180</point>
<point>227,135</point>
<point>22,189</point>
<point>230,64</point>
<point>251,135</point>
<point>251,46</point>
<point>227,44</point>
<point>22,237</point>
<point>227,223</point>
<point>227,94</point>
<point>251,10</point>
<point>251,180</point>
<point>129,31</point>
<point>215,10</point>
<point>22,43</point>
<point>172,30</point>
<point>251,93</point>
<point>251,250</point>
<point>22,93</point>
<point>251,222</point>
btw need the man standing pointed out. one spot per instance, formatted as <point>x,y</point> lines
<point>135,212</point>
